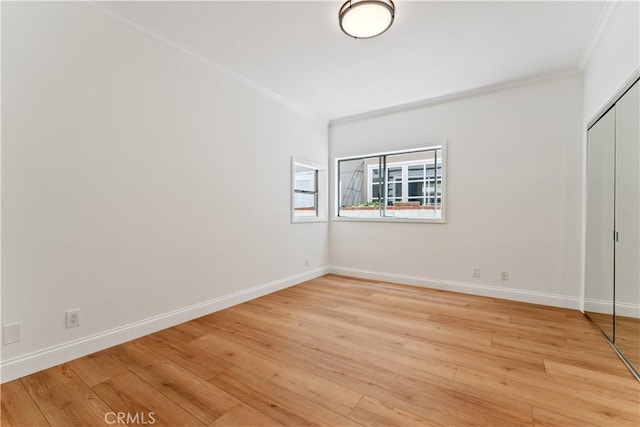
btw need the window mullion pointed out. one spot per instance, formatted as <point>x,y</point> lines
<point>380,186</point>
<point>424,184</point>
<point>385,188</point>
<point>405,183</point>
<point>435,181</point>
<point>339,183</point>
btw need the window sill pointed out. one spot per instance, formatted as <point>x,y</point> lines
<point>304,220</point>
<point>410,220</point>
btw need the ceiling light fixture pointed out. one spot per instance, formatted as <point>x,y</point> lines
<point>363,19</point>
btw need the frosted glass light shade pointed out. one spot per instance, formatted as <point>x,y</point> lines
<point>363,19</point>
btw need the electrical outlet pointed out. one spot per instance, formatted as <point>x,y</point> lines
<point>12,333</point>
<point>504,275</point>
<point>73,318</point>
<point>475,272</point>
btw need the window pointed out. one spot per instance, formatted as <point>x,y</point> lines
<point>307,195</point>
<point>410,188</point>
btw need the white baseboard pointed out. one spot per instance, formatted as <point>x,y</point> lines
<point>627,310</point>
<point>605,307</point>
<point>48,357</point>
<point>553,300</point>
<point>598,306</point>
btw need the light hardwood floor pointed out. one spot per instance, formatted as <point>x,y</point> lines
<point>627,334</point>
<point>337,351</point>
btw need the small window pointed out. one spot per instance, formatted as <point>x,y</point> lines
<point>411,187</point>
<point>308,191</point>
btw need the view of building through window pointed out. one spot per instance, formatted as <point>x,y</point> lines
<point>305,191</point>
<point>308,191</point>
<point>410,187</point>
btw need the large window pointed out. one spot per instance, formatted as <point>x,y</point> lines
<point>410,188</point>
<point>307,195</point>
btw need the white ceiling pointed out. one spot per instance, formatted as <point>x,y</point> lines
<point>297,50</point>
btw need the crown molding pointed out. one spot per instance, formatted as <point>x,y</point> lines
<point>250,84</point>
<point>454,96</point>
<point>609,12</point>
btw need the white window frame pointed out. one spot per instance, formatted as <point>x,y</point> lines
<point>321,191</point>
<point>444,194</point>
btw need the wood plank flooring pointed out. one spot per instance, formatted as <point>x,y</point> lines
<point>338,351</point>
<point>628,338</point>
<point>627,334</point>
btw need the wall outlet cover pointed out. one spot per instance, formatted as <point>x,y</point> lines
<point>73,318</point>
<point>12,333</point>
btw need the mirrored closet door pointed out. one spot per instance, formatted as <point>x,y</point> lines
<point>612,256</point>
<point>598,301</point>
<point>627,219</point>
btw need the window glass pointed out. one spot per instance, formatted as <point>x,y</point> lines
<point>412,185</point>
<point>307,203</point>
<point>305,179</point>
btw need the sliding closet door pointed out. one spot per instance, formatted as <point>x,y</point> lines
<point>598,298</point>
<point>627,260</point>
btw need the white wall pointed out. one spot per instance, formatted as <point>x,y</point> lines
<point>614,59</point>
<point>514,195</point>
<point>136,180</point>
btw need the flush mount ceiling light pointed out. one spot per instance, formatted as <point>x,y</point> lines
<point>363,19</point>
